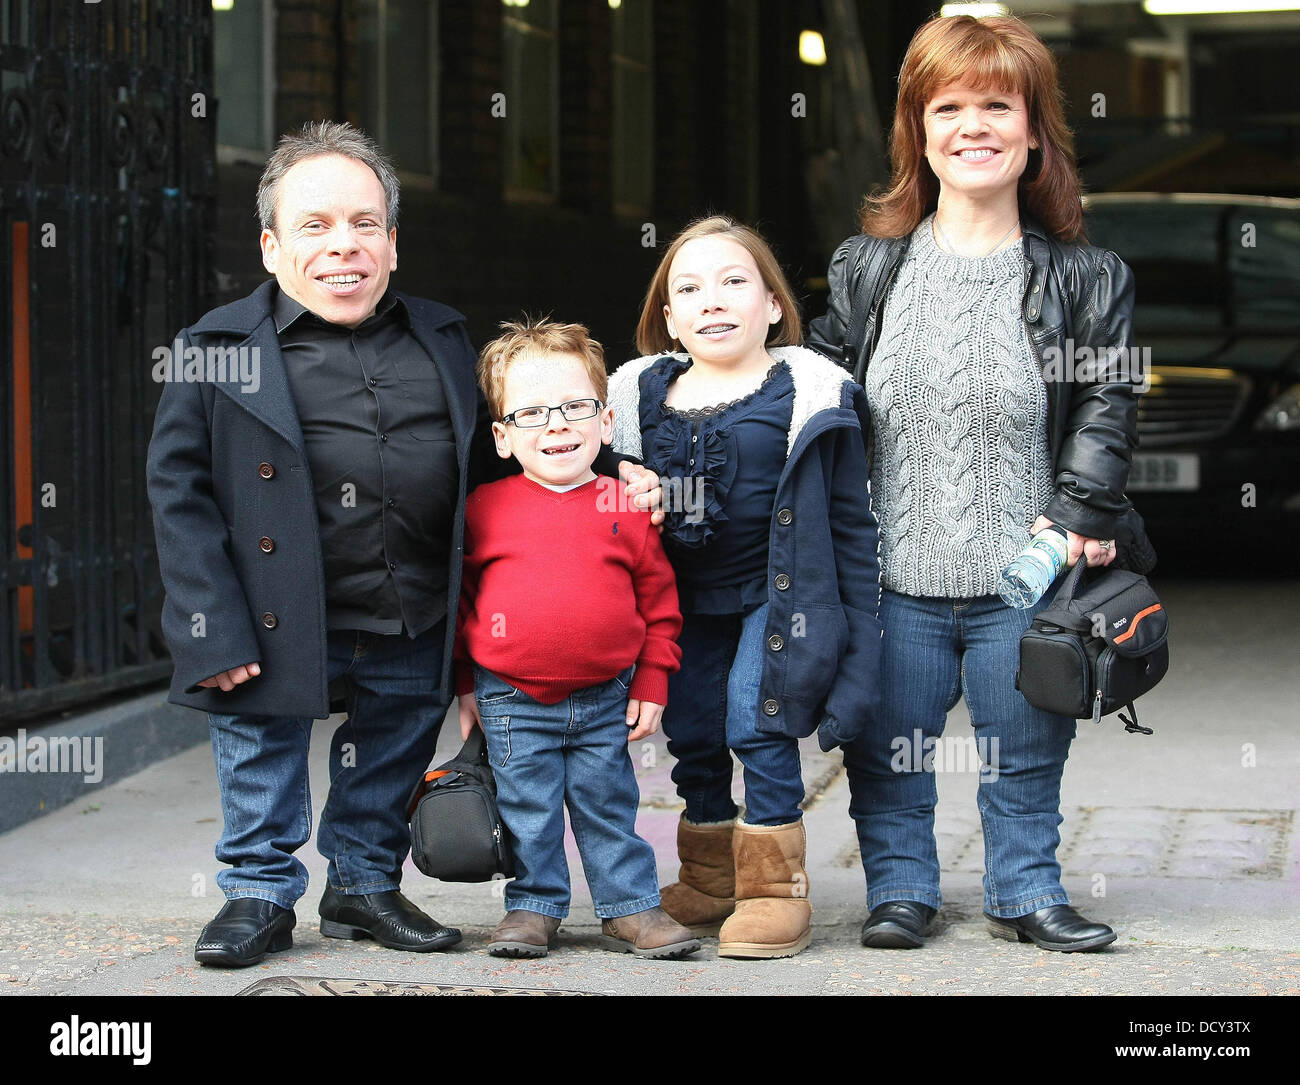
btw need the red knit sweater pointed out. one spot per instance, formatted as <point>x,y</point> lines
<point>563,591</point>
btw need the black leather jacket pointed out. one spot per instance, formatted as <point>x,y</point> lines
<point>1092,422</point>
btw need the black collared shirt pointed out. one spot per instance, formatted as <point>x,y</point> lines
<point>382,455</point>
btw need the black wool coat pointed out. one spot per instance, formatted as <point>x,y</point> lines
<point>235,510</point>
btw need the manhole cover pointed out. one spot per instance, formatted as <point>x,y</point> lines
<point>320,985</point>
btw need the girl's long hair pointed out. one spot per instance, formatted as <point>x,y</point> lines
<point>652,333</point>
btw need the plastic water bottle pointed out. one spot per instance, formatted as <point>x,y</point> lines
<point>1023,582</point>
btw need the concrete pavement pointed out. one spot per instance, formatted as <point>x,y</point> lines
<point>1184,841</point>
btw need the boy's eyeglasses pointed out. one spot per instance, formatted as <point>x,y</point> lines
<point>575,410</point>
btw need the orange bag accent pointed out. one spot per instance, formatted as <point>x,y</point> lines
<point>1133,628</point>
<point>429,777</point>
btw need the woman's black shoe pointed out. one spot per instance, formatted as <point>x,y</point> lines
<point>245,931</point>
<point>1059,927</point>
<point>898,924</point>
<point>389,918</point>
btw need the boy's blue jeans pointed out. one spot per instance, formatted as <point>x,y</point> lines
<point>395,710</point>
<point>575,753</point>
<point>936,650</point>
<point>713,711</point>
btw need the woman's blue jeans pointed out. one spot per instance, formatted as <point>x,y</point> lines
<point>936,650</point>
<point>713,711</point>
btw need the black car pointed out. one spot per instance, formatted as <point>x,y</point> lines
<point>1217,318</point>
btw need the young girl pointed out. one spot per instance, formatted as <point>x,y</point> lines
<point>770,531</point>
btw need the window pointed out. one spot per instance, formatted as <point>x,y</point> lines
<point>399,80</point>
<point>243,60</point>
<point>532,97</point>
<point>15,22</point>
<point>632,137</point>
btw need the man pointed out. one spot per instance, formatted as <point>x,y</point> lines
<point>310,459</point>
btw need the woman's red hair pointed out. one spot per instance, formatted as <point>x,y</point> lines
<point>999,54</point>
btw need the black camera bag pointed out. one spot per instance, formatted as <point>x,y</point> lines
<point>456,829</point>
<point>1100,645</point>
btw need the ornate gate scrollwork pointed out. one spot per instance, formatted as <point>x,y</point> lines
<point>107,193</point>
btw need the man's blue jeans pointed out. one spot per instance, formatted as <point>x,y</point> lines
<point>395,709</point>
<point>936,650</point>
<point>713,711</point>
<point>575,753</point>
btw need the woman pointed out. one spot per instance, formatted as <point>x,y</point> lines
<point>971,268</point>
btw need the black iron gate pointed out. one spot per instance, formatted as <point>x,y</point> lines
<point>107,183</point>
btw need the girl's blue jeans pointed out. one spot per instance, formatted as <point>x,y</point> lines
<point>936,650</point>
<point>713,711</point>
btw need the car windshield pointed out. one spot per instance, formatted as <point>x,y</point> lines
<point>1206,265</point>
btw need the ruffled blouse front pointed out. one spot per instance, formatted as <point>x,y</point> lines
<point>720,466</point>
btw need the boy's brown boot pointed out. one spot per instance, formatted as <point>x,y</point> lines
<point>705,893</point>
<point>523,934</point>
<point>652,933</point>
<point>773,916</point>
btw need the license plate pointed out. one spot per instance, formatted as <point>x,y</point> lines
<point>1177,471</point>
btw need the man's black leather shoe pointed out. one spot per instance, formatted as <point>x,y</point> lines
<point>243,932</point>
<point>389,918</point>
<point>898,924</point>
<point>1059,927</point>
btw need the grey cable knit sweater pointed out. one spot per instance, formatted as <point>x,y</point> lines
<point>961,464</point>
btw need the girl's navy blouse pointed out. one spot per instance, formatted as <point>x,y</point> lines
<point>722,465</point>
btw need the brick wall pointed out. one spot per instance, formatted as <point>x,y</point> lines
<point>308,64</point>
<point>470,36</point>
<point>462,242</point>
<point>682,101</point>
<point>489,259</point>
<point>586,90</point>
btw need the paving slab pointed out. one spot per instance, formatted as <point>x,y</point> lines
<point>1184,841</point>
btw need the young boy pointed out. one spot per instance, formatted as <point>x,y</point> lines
<point>568,631</point>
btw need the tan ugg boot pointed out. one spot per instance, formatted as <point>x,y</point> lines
<point>705,893</point>
<point>773,916</point>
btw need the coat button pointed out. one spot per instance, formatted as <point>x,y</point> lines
<point>373,382</point>
<point>781,581</point>
<point>770,707</point>
<point>265,470</point>
<point>269,620</point>
<point>776,642</point>
<point>384,437</point>
<point>266,543</point>
<point>1036,288</point>
<point>1033,313</point>
<point>784,517</point>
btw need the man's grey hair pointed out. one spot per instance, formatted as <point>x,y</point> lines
<point>318,138</point>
